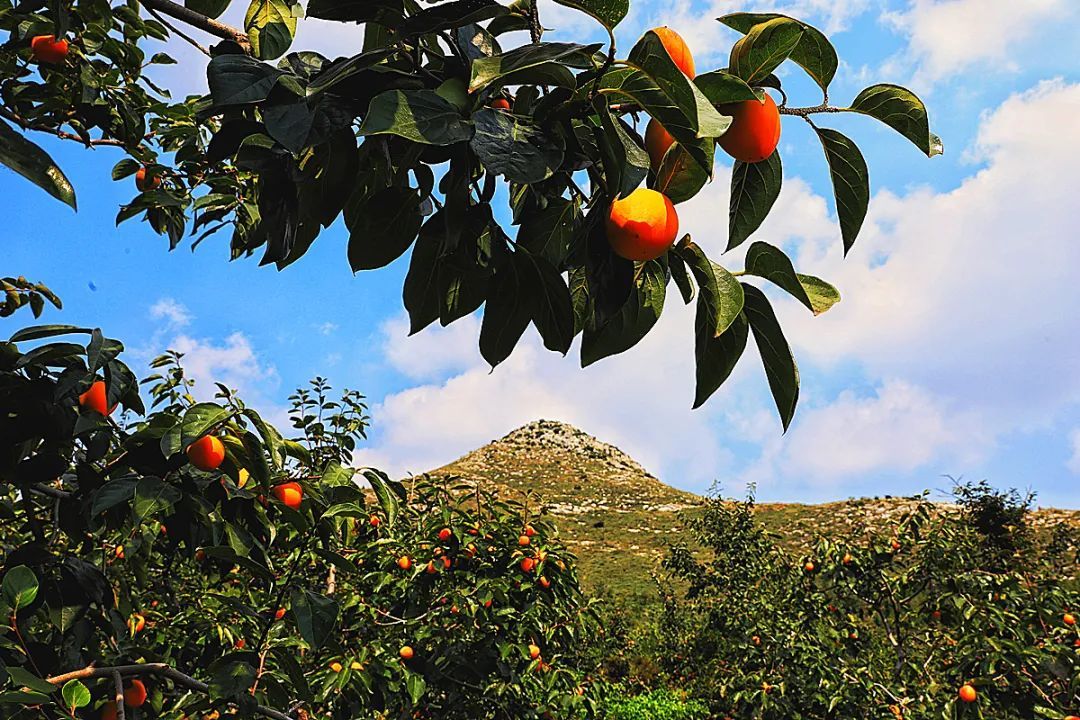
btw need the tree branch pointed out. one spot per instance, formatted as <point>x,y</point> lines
<point>535,28</point>
<point>199,21</point>
<point>62,134</point>
<point>805,111</point>
<point>157,669</point>
<point>178,32</point>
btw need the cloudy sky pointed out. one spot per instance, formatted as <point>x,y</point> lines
<point>955,351</point>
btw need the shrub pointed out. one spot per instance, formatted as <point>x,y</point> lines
<point>655,705</point>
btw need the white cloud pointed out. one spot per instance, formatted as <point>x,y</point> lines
<point>175,314</point>
<point>434,352</point>
<point>950,37</point>
<point>326,328</point>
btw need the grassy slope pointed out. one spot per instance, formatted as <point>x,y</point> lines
<point>618,518</point>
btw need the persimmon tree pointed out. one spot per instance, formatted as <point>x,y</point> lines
<point>266,581</point>
<point>409,138</point>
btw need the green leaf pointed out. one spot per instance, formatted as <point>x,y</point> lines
<point>679,176</point>
<point>754,189</point>
<point>270,26</point>
<point>450,15</point>
<point>625,162</point>
<point>721,88</point>
<point>316,616</point>
<point>780,368</point>
<point>112,493</point>
<point>652,80</point>
<point>715,356</point>
<point>209,8</point>
<point>851,182</point>
<point>230,678</point>
<point>507,66</point>
<point>75,694</point>
<point>608,13</point>
<point>548,231</point>
<point>720,296</point>
<point>19,587</point>
<point>34,164</point>
<point>771,263</point>
<point>240,80</point>
<point>507,312</point>
<point>125,168</point>
<point>903,111</point>
<point>634,321</point>
<point>421,288</point>
<point>416,686</point>
<point>37,332</point>
<point>814,53</point>
<point>19,697</point>
<point>22,678</point>
<point>388,493</point>
<point>199,420</point>
<point>153,495</point>
<point>385,228</point>
<point>384,12</point>
<point>514,147</point>
<point>552,311</point>
<point>422,116</point>
<point>763,48</point>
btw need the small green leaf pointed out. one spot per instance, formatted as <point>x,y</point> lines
<point>416,686</point>
<point>851,182</point>
<point>125,168</point>
<point>679,176</point>
<point>625,162</point>
<point>780,368</point>
<point>721,88</point>
<point>388,493</point>
<point>903,111</point>
<point>75,695</point>
<point>34,164</point>
<point>763,48</point>
<point>20,587</point>
<point>771,263</point>
<point>754,189</point>
<point>422,116</point>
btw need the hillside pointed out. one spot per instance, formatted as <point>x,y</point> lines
<point>617,517</point>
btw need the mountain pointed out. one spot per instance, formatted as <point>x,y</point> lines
<point>617,517</point>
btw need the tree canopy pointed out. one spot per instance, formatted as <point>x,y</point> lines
<point>408,139</point>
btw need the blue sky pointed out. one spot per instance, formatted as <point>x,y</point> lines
<point>954,352</point>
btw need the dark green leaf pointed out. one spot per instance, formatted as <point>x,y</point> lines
<point>507,312</point>
<point>388,493</point>
<point>552,311</point>
<point>22,678</point>
<point>209,8</point>
<point>634,321</point>
<point>385,228</point>
<point>112,493</point>
<point>626,163</point>
<point>514,147</point>
<point>384,12</point>
<point>763,48</point>
<point>851,182</point>
<point>903,111</point>
<point>125,168</point>
<point>489,69</point>
<point>780,368</point>
<point>814,53</point>
<point>416,686</point>
<point>231,678</point>
<point>422,116</point>
<point>421,289</point>
<point>316,616</point>
<point>716,356</point>
<point>547,231</point>
<point>720,296</point>
<point>38,332</point>
<point>240,80</point>
<point>450,15</point>
<point>679,176</point>
<point>754,189</point>
<point>34,164</point>
<point>154,495</point>
<point>771,263</point>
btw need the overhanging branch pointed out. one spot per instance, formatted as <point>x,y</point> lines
<point>200,22</point>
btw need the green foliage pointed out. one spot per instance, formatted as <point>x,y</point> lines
<point>655,705</point>
<point>887,626</point>
<point>402,140</point>
<point>118,553</point>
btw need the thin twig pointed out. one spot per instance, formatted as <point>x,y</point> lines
<point>179,33</point>
<point>62,134</point>
<point>201,22</point>
<point>535,29</point>
<point>118,696</point>
<point>804,111</point>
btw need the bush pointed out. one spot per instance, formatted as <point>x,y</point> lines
<point>887,626</point>
<point>655,705</point>
<point>120,556</point>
